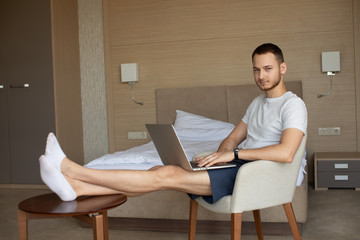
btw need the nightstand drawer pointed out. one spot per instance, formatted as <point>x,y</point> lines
<point>338,179</point>
<point>338,165</point>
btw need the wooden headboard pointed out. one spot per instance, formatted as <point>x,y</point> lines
<point>225,103</point>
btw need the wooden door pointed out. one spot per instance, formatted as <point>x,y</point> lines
<point>28,73</point>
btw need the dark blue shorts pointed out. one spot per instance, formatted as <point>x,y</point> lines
<point>222,182</point>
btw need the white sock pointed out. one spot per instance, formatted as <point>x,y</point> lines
<point>53,151</point>
<point>55,180</point>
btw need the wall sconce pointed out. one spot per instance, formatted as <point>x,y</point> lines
<point>129,74</point>
<point>330,63</point>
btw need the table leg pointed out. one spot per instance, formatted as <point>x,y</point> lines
<point>22,225</point>
<point>106,225</point>
<point>98,226</point>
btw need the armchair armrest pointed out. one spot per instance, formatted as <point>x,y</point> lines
<point>261,184</point>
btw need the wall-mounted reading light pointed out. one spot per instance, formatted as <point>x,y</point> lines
<point>330,63</point>
<point>129,74</point>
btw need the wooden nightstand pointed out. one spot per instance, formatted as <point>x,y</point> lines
<point>337,170</point>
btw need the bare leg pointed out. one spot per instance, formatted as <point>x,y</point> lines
<point>96,189</point>
<point>60,171</point>
<point>134,182</point>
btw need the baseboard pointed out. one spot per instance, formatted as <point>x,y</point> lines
<point>203,226</point>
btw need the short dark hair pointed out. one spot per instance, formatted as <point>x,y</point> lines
<point>269,47</point>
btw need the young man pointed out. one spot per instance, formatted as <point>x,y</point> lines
<point>271,129</point>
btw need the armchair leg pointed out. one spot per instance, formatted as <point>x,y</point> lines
<point>257,218</point>
<point>292,221</point>
<point>236,226</point>
<point>192,219</point>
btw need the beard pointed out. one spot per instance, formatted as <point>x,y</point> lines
<point>274,85</point>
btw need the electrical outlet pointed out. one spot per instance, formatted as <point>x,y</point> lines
<point>332,131</point>
<point>137,135</point>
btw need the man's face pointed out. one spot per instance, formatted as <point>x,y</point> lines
<point>268,73</point>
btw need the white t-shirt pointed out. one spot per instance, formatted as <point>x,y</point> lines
<point>267,118</point>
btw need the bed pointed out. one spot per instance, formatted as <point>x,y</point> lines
<point>202,116</point>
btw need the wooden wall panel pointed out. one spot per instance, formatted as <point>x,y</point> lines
<point>158,20</point>
<point>197,43</point>
<point>356,9</point>
<point>67,84</point>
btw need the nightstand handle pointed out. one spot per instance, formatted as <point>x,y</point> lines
<point>341,165</point>
<point>341,177</point>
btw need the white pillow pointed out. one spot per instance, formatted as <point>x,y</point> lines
<point>195,127</point>
<point>203,134</point>
<point>190,120</point>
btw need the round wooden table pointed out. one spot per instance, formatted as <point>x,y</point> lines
<point>51,206</point>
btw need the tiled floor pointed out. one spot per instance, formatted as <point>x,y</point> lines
<point>333,215</point>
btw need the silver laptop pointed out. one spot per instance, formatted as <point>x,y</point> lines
<point>170,149</point>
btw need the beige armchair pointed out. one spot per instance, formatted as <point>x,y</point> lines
<point>259,184</point>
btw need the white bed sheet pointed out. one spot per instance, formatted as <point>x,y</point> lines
<point>145,156</point>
